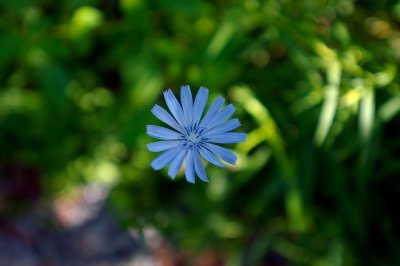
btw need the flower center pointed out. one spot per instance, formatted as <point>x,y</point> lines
<point>192,137</point>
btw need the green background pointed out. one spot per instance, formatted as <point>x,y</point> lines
<point>314,84</point>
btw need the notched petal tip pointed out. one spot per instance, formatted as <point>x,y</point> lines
<point>185,86</point>
<point>153,109</point>
<point>168,92</point>
<point>203,91</point>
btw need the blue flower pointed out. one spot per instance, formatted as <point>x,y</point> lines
<point>192,136</point>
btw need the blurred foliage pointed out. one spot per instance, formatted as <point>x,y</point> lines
<point>315,85</point>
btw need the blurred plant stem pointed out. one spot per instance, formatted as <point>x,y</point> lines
<point>270,134</point>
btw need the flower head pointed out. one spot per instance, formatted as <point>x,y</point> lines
<point>192,136</point>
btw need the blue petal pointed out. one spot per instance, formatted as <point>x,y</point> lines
<point>189,171</point>
<point>214,108</point>
<point>200,103</point>
<point>199,167</point>
<point>210,157</point>
<point>164,116</point>
<point>227,138</point>
<point>222,128</point>
<point>174,107</point>
<point>223,153</point>
<point>163,159</point>
<point>162,133</point>
<point>177,163</point>
<point>162,145</point>
<point>220,117</point>
<point>187,104</point>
